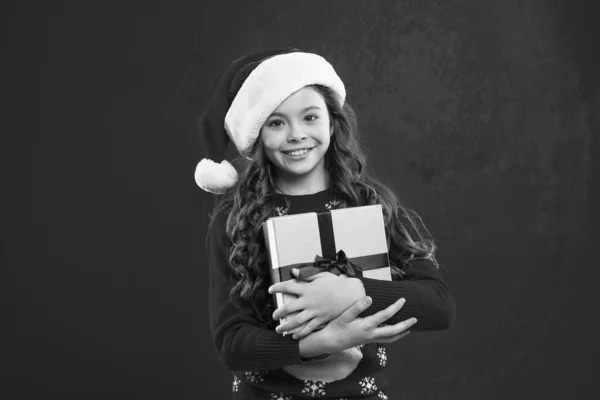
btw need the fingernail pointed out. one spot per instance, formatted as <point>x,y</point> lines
<point>295,271</point>
<point>403,300</point>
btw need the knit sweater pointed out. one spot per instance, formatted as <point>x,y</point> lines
<point>262,361</point>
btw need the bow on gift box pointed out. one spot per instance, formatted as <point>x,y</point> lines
<point>341,265</point>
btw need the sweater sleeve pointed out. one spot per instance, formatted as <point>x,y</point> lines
<point>241,343</point>
<point>428,297</point>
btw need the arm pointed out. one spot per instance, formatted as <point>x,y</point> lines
<point>240,341</point>
<point>349,329</point>
<point>428,298</point>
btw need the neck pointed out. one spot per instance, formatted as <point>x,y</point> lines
<point>302,185</point>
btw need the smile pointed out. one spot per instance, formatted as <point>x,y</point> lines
<point>296,153</point>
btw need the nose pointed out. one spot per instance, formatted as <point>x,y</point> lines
<point>296,134</point>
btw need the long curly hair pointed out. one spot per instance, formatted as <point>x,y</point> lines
<point>248,204</point>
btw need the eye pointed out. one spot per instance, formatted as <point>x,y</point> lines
<point>311,117</point>
<point>275,123</point>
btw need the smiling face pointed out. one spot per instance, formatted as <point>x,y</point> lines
<point>295,139</point>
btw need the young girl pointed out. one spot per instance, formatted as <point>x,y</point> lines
<point>286,113</point>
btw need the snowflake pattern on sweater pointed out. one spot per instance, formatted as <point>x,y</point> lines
<point>314,388</point>
<point>255,376</point>
<point>381,354</point>
<point>330,205</point>
<point>281,211</point>
<point>236,383</point>
<point>368,385</point>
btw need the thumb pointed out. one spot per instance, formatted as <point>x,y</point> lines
<point>356,309</point>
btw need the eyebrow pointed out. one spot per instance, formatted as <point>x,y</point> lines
<point>305,109</point>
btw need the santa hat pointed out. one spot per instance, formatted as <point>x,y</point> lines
<point>246,95</point>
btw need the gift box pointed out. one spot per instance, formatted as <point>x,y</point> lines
<point>349,240</point>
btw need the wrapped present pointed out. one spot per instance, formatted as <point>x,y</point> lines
<point>351,241</point>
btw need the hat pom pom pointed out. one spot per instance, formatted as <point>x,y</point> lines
<point>215,178</point>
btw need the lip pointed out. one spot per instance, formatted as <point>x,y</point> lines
<point>303,148</point>
<point>298,158</point>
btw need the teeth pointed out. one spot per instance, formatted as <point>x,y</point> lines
<point>298,153</point>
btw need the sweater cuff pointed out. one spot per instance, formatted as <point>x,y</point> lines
<point>383,297</point>
<point>274,350</point>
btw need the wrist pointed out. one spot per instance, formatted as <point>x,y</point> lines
<point>315,345</point>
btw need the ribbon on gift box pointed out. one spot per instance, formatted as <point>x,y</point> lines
<point>336,263</point>
<point>339,265</point>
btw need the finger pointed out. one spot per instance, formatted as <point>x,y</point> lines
<point>294,330</point>
<point>385,314</point>
<point>352,312</point>
<point>393,338</point>
<point>396,329</point>
<point>282,328</point>
<point>309,274</point>
<point>294,321</point>
<point>288,308</point>
<point>307,329</point>
<point>291,286</point>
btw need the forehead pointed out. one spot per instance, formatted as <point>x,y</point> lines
<point>305,97</point>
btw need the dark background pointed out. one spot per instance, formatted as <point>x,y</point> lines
<point>482,115</point>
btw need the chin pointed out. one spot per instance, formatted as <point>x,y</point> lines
<point>299,172</point>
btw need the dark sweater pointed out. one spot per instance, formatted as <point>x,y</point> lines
<point>257,354</point>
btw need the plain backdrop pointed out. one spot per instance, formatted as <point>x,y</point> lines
<point>482,115</point>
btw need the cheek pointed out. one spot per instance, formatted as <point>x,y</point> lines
<point>268,140</point>
<point>326,135</point>
<point>270,146</point>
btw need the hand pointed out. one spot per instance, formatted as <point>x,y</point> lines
<point>321,298</point>
<point>349,330</point>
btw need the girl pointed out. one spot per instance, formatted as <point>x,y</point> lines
<point>285,111</point>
